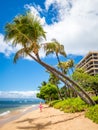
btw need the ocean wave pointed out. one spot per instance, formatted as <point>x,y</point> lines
<point>4,113</point>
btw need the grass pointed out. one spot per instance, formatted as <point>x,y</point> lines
<point>72,105</point>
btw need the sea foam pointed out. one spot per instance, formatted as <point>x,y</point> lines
<point>4,113</point>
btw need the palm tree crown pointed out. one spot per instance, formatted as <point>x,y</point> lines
<point>25,30</point>
<point>54,47</point>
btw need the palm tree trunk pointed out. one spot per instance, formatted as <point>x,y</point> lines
<point>71,85</point>
<point>56,72</point>
<point>59,93</point>
<point>71,81</point>
<point>80,95</point>
<point>62,71</point>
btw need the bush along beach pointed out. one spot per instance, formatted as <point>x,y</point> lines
<point>72,105</point>
<point>92,113</point>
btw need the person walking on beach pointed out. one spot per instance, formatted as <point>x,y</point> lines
<point>40,106</point>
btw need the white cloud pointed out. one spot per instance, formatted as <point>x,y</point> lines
<point>77,25</point>
<point>18,94</point>
<point>35,10</point>
<point>62,6</point>
<point>76,29</point>
<point>7,48</point>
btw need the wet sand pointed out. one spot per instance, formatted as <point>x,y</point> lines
<point>15,114</point>
<point>50,119</point>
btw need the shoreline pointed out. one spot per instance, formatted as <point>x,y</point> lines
<point>17,113</point>
<point>50,119</point>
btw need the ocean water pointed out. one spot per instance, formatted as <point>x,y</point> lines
<point>8,105</point>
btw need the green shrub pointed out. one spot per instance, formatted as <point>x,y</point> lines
<point>92,113</point>
<point>59,105</point>
<point>95,98</point>
<point>71,105</point>
<point>52,103</point>
<point>74,105</point>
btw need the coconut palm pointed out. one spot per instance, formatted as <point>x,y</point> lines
<point>63,66</point>
<point>71,64</point>
<point>27,31</point>
<point>57,48</point>
<point>54,47</point>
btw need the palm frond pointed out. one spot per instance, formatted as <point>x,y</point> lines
<point>24,29</point>
<point>55,47</point>
<point>20,53</point>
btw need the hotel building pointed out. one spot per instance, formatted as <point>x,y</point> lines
<point>89,63</point>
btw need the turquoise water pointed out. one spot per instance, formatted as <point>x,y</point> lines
<point>8,105</point>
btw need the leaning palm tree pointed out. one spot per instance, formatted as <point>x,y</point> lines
<point>55,47</point>
<point>27,31</point>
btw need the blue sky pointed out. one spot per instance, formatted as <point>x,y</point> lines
<point>74,23</point>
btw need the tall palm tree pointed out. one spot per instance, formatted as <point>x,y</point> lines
<point>57,48</point>
<point>27,31</point>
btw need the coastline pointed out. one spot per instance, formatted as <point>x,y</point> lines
<point>16,113</point>
<point>50,119</point>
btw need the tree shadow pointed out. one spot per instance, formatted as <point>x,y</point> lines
<point>27,120</point>
<point>65,120</point>
<point>31,120</point>
<point>38,126</point>
<point>54,115</point>
<point>41,126</point>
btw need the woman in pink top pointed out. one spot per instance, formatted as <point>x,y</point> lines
<point>40,106</point>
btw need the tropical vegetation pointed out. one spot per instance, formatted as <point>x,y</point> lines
<point>86,81</point>
<point>26,30</point>
<point>48,92</point>
<point>72,105</point>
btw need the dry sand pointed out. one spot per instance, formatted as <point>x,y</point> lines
<point>50,119</point>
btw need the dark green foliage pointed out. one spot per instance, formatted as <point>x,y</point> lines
<point>48,92</point>
<point>92,113</point>
<point>89,83</point>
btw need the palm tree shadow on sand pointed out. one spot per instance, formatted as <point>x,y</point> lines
<point>27,120</point>
<point>41,126</point>
<point>37,126</point>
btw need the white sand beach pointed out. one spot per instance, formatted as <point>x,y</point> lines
<point>50,119</point>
